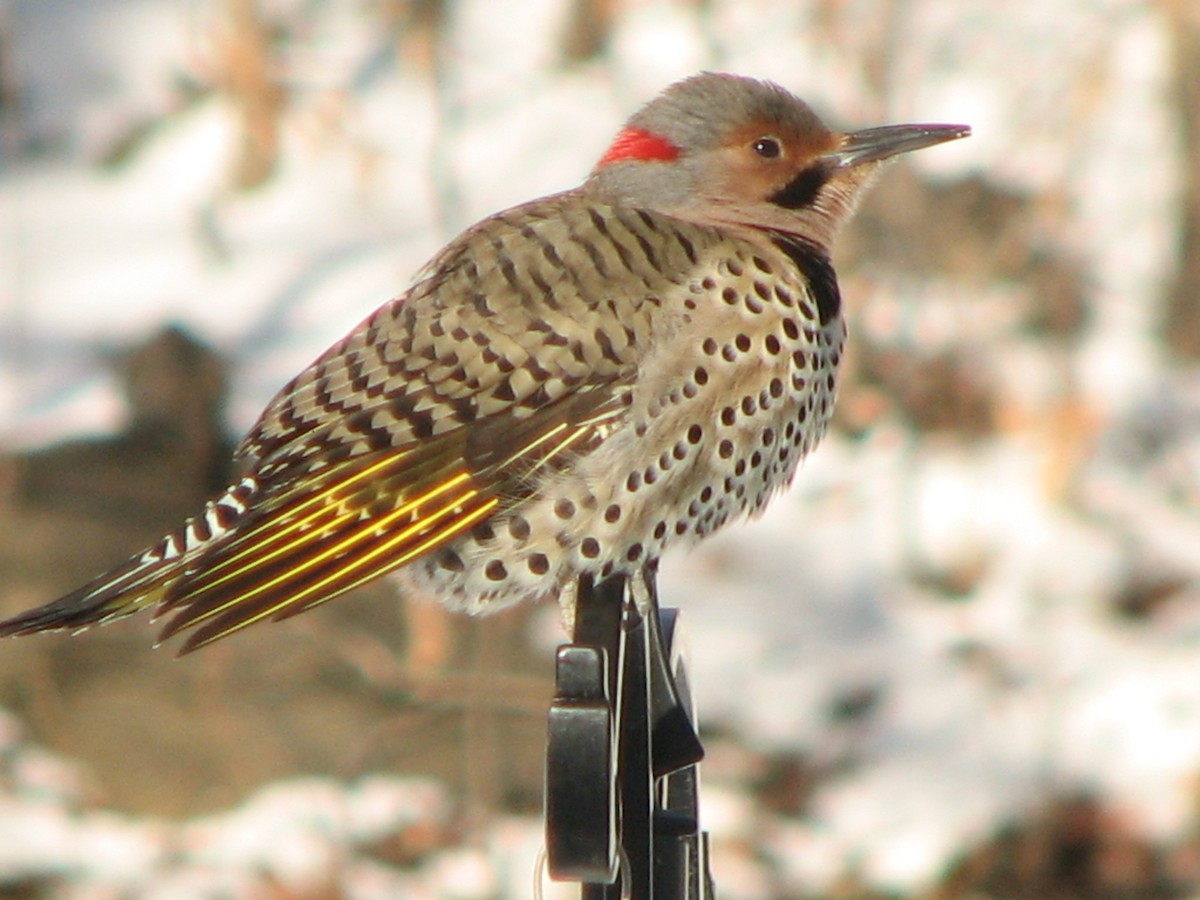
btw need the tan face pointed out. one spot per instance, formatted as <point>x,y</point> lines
<point>761,159</point>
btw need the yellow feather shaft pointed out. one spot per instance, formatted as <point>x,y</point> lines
<point>279,532</point>
<point>526,448</point>
<point>457,528</point>
<point>354,538</point>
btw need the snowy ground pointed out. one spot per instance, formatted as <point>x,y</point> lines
<point>117,213</point>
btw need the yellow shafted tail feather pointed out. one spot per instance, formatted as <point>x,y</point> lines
<point>281,568</point>
<point>300,534</point>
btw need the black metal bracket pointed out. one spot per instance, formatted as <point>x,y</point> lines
<point>622,773</point>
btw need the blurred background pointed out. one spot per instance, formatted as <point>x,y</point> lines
<point>961,658</point>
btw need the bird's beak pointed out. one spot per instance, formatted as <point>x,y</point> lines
<point>875,144</point>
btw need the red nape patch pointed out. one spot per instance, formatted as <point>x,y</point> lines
<point>638,144</point>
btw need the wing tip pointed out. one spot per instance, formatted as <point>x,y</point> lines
<point>114,595</point>
<point>72,612</point>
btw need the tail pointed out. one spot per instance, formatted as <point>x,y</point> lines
<point>143,580</point>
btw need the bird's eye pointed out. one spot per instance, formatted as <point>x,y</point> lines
<point>767,147</point>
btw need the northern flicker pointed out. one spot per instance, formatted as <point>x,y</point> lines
<point>570,386</point>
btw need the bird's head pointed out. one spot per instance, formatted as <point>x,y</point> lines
<point>724,149</point>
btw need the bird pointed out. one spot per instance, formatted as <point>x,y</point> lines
<point>568,388</point>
